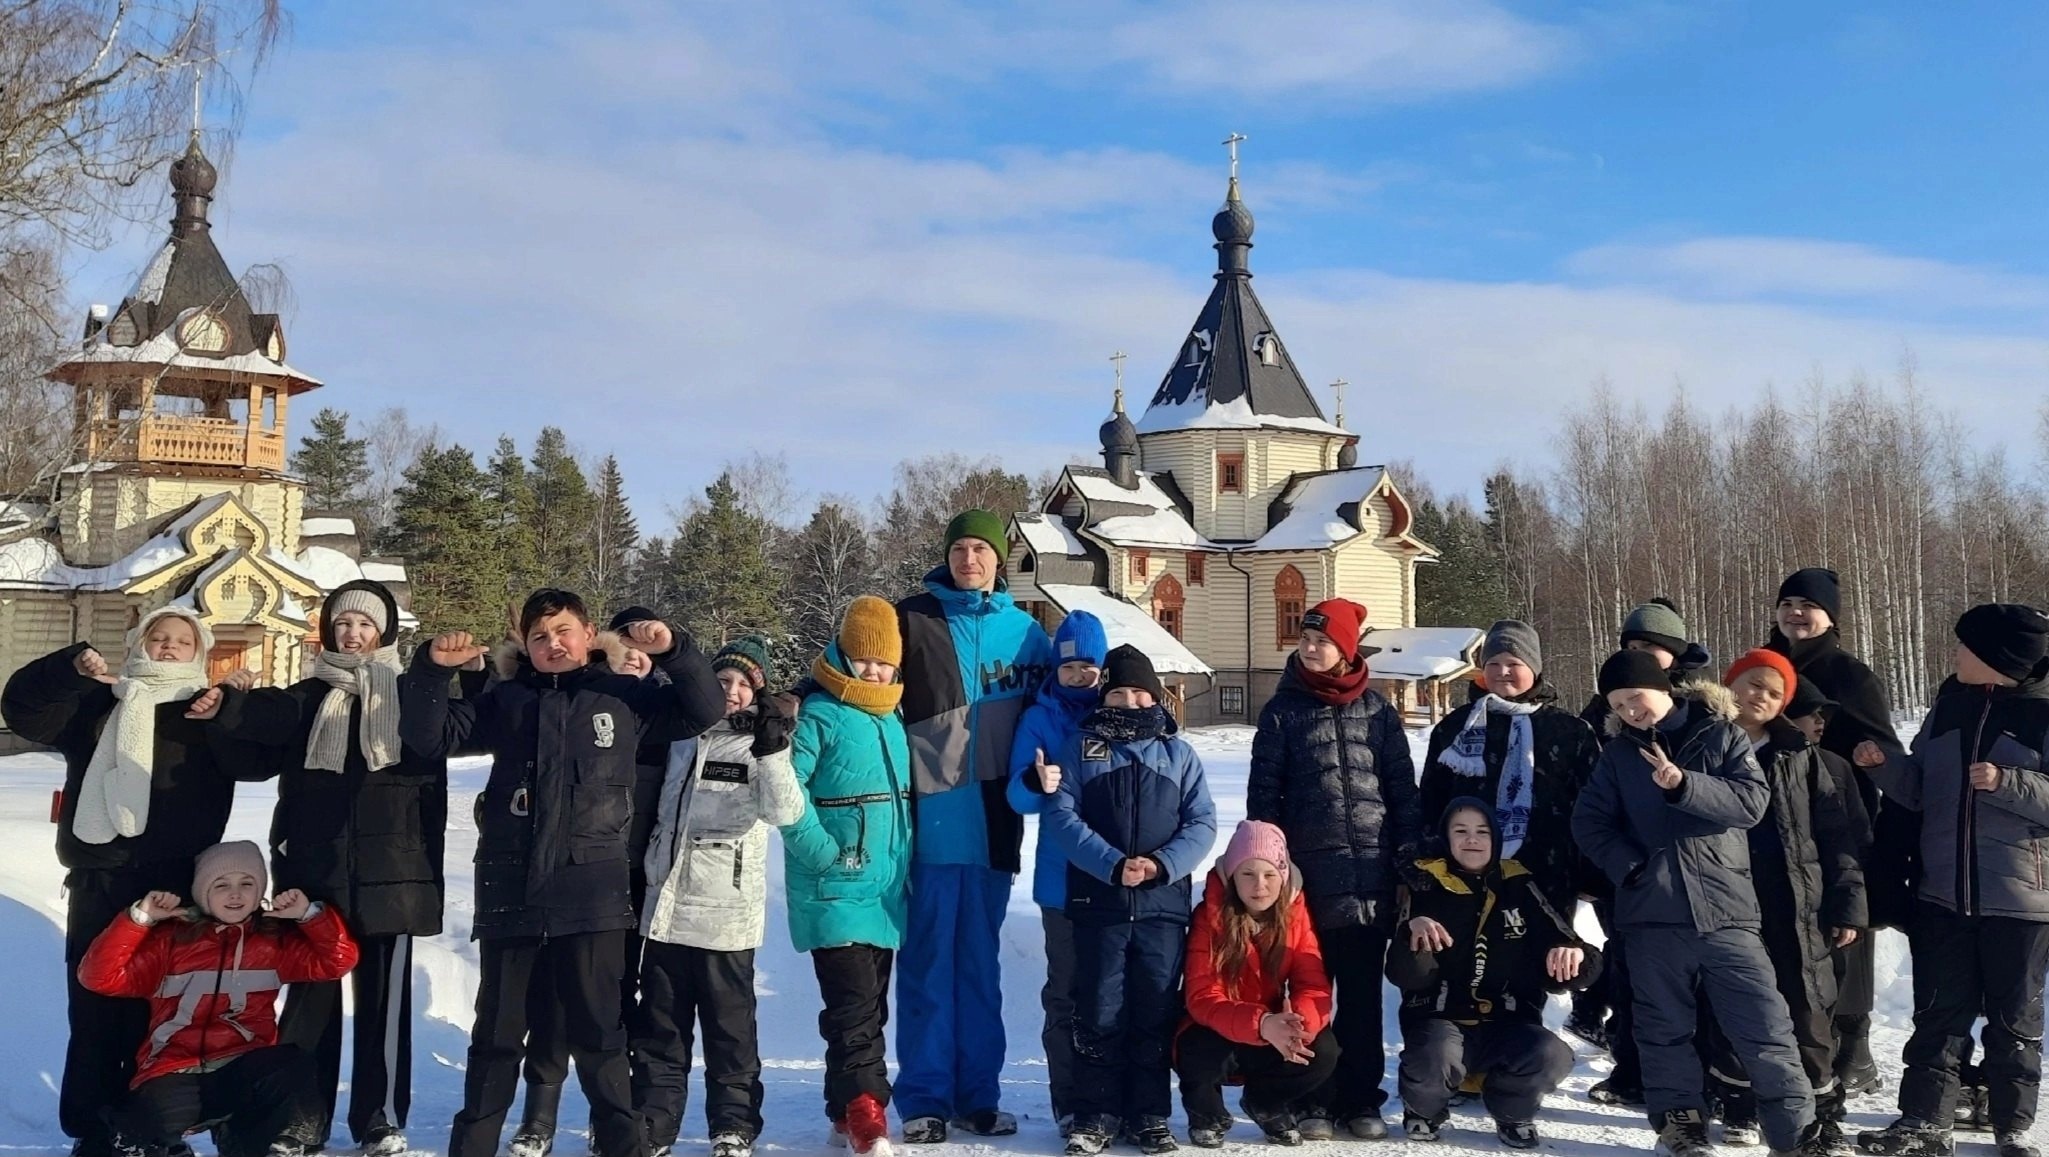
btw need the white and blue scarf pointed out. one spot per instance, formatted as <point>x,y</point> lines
<point>1467,756</point>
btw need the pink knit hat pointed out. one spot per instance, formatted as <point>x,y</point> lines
<point>221,859</point>
<point>1256,840</point>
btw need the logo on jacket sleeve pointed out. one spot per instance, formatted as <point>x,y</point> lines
<point>602,721</point>
<point>1095,749</point>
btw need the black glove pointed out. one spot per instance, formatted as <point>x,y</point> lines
<point>773,722</point>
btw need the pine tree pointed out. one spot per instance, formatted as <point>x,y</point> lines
<point>514,516</point>
<point>564,511</point>
<point>445,525</point>
<point>335,466</point>
<point>725,584</point>
<point>830,561</point>
<point>615,537</point>
<point>1464,587</point>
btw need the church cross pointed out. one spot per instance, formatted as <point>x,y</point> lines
<point>1231,143</point>
<point>1338,387</point>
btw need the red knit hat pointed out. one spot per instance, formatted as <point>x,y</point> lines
<point>1341,619</point>
<point>1760,657</point>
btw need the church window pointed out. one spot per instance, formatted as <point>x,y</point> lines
<point>1197,563</point>
<point>1269,350</point>
<point>1231,473</point>
<point>1291,599</point>
<point>1140,560</point>
<point>1168,602</point>
<point>1193,355</point>
<point>1230,700</point>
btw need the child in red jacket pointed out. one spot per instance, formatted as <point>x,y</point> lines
<point>211,975</point>
<point>1258,997</point>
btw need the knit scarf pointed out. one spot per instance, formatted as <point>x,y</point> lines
<point>1128,724</point>
<point>1336,688</point>
<point>113,795</point>
<point>372,678</point>
<point>874,698</point>
<point>1467,756</point>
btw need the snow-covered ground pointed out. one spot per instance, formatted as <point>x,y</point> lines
<point>32,991</point>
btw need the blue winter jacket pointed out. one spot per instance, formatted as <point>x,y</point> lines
<point>971,662</point>
<point>1050,724</point>
<point>1126,797</point>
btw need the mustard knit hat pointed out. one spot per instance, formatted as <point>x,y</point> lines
<point>869,631</point>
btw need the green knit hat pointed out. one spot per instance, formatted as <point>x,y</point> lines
<point>748,655</point>
<point>979,524</point>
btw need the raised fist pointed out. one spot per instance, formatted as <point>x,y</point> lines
<point>92,665</point>
<point>206,704</point>
<point>290,904</point>
<point>157,906</point>
<point>1869,754</point>
<point>455,649</point>
<point>651,636</point>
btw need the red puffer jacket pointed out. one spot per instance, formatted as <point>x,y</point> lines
<point>212,987</point>
<point>1303,982</point>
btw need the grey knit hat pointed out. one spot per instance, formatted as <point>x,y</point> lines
<point>1517,638</point>
<point>362,602</point>
<point>1656,622</point>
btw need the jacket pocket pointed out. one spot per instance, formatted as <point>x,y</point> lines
<point>600,808</point>
<point>719,873</point>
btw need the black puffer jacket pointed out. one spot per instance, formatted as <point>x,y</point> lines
<point>1564,750</point>
<point>1803,857</point>
<point>1341,784</point>
<point>1983,852</point>
<point>191,786</point>
<point>554,819</point>
<point>1678,857</point>
<point>369,843</point>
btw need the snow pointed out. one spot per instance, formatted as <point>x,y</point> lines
<point>1098,488</point>
<point>164,350</point>
<point>384,572</point>
<point>327,527</point>
<point>328,566</point>
<point>1198,413</point>
<point>149,285</point>
<point>1313,522</point>
<point>1049,534</point>
<point>1165,528</point>
<point>445,981</point>
<point>1126,623</point>
<point>1421,652</point>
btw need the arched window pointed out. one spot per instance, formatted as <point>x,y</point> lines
<point>1291,599</point>
<point>1168,600</point>
<point>1269,348</point>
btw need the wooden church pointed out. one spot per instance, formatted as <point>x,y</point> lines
<point>180,493</point>
<point>1223,514</point>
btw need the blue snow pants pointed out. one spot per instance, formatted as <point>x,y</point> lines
<point>1127,1004</point>
<point>949,995</point>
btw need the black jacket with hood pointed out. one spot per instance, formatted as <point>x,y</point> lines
<point>1679,856</point>
<point>1502,931</point>
<point>1804,858</point>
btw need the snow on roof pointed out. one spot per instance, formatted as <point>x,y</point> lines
<point>1198,414</point>
<point>327,527</point>
<point>163,349</point>
<point>1049,534</point>
<point>1125,623</point>
<point>1313,522</point>
<point>1165,528</point>
<point>384,572</point>
<point>1421,652</point>
<point>1098,488</point>
<point>35,563</point>
<point>328,567</point>
<point>149,284</point>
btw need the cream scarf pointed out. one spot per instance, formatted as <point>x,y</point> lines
<point>372,678</point>
<point>113,796</point>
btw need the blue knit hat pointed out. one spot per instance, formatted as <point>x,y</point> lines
<point>1081,639</point>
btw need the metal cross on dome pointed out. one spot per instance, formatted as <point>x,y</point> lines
<point>1231,143</point>
<point>1338,387</point>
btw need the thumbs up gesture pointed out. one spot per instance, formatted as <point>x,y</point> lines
<point>1047,774</point>
<point>455,649</point>
<point>93,665</point>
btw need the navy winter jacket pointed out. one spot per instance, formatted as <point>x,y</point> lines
<point>1129,787</point>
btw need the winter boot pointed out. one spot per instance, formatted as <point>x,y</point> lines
<point>1314,1125</point>
<point>1589,1028</point>
<point>1683,1133</point>
<point>1365,1126</point>
<point>1420,1128</point>
<point>1208,1132</point>
<point>2016,1145</point>
<point>987,1123</point>
<point>1609,1092</point>
<point>867,1126</point>
<point>1908,1137</point>
<point>384,1141</point>
<point>1092,1134</point>
<point>286,1147</point>
<point>1517,1134</point>
<point>118,1146</point>
<point>536,1136</point>
<point>732,1143</point>
<point>1278,1124</point>
<point>927,1131</point>
<point>1974,1109</point>
<point>1811,1144</point>
<point>1154,1137</point>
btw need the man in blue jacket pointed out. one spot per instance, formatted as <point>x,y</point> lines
<point>971,661</point>
<point>1050,724</point>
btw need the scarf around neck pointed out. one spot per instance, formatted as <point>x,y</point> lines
<point>874,698</point>
<point>1336,688</point>
<point>371,678</point>
<point>113,795</point>
<point>1513,793</point>
<point>1128,724</point>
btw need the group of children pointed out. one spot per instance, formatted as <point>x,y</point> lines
<point>621,879</point>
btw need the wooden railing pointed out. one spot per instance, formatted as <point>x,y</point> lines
<point>189,440</point>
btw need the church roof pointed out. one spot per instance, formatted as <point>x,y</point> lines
<point>1150,515</point>
<point>1126,623</point>
<point>1327,508</point>
<point>1233,370</point>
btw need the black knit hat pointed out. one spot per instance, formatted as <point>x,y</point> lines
<point>1632,670</point>
<point>1127,666</point>
<point>2012,638</point>
<point>630,616</point>
<point>1808,699</point>
<point>1818,585</point>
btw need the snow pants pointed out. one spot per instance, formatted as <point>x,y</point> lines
<point>1966,967</point>
<point>680,988</point>
<point>106,1031</point>
<point>1628,1070</point>
<point>1127,1004</point>
<point>255,1099</point>
<point>381,1069</point>
<point>1057,998</point>
<point>949,995</point>
<point>1205,1060</point>
<point>1667,964</point>
<point>854,984</point>
<point>582,974</point>
<point>1356,958</point>
<point>1523,1061</point>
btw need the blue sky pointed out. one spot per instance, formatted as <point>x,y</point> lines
<point>851,234</point>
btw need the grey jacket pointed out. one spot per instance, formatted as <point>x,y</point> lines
<point>1982,852</point>
<point>1678,857</point>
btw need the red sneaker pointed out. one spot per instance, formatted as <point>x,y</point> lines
<point>868,1126</point>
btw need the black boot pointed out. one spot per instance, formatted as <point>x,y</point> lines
<point>536,1134</point>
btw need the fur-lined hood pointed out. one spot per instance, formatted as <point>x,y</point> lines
<point>509,656</point>
<point>1719,701</point>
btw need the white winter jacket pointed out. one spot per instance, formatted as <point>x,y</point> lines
<point>706,864</point>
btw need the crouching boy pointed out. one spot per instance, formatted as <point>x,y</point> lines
<point>1980,930</point>
<point>1477,950</point>
<point>211,974</point>
<point>1665,818</point>
<point>1133,813</point>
